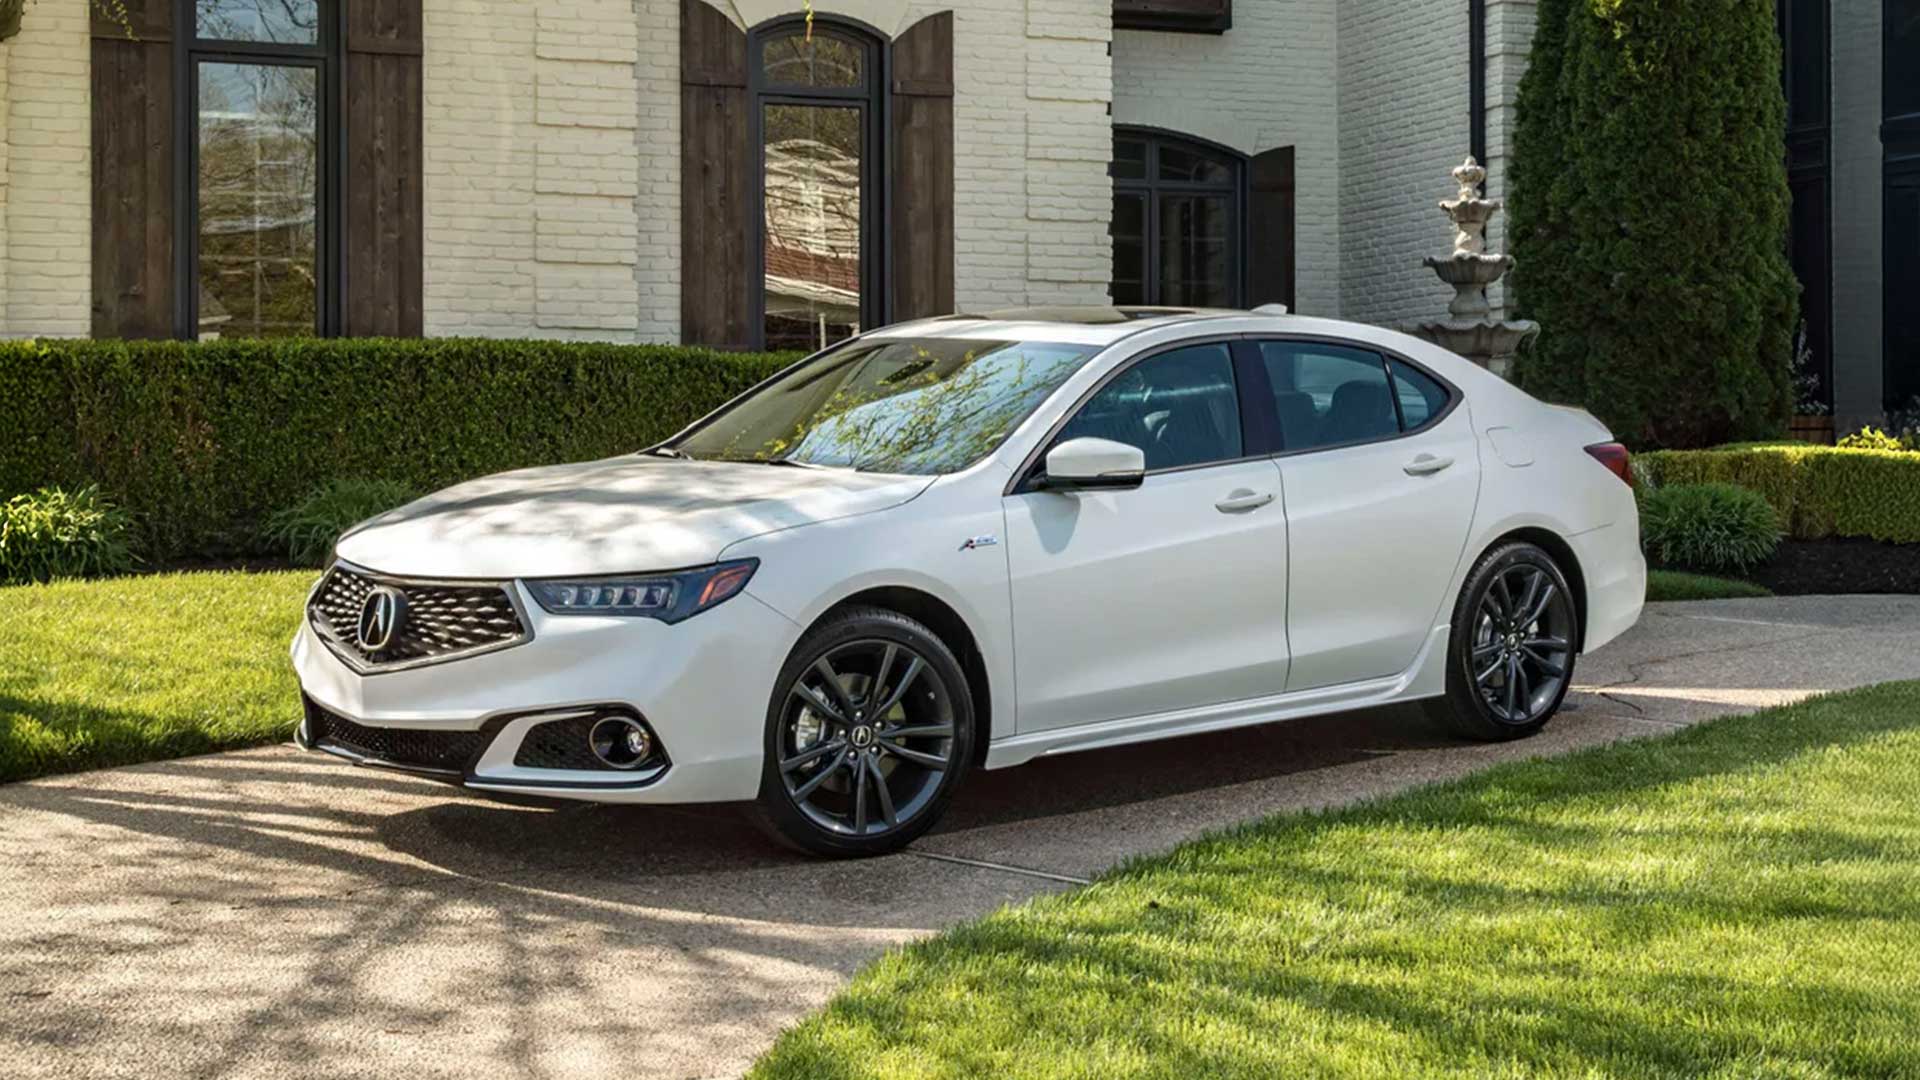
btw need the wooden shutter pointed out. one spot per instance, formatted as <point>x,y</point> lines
<point>382,237</point>
<point>133,219</point>
<point>922,175</point>
<point>1270,262</point>
<point>716,179</point>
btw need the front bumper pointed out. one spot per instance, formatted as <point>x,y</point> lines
<point>702,686</point>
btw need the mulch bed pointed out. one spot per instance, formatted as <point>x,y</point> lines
<point>1839,567</point>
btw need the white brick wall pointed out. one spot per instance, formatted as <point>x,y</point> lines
<point>45,201</point>
<point>1403,124</point>
<point>1858,235</point>
<point>1268,82</point>
<point>1510,26</point>
<point>481,152</point>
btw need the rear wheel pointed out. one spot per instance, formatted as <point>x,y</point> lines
<point>868,732</point>
<point>1510,655</point>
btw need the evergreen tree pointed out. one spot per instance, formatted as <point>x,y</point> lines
<point>1650,217</point>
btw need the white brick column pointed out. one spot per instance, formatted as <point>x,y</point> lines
<point>46,241</point>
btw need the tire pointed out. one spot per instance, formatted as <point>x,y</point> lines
<point>866,768</point>
<point>1493,637</point>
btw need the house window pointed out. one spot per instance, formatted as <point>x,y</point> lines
<point>1178,221</point>
<point>816,114</point>
<point>258,214</point>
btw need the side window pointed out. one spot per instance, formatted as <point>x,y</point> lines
<point>1328,395</point>
<point>1180,408</point>
<point>1421,397</point>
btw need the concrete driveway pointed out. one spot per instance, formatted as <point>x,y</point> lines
<point>273,914</point>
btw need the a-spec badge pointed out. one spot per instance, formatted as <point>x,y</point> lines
<point>974,543</point>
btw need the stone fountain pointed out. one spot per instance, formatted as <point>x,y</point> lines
<point>1471,329</point>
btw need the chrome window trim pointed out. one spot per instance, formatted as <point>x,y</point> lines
<point>344,651</point>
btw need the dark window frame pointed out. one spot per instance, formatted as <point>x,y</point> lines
<point>1152,187</point>
<point>327,59</point>
<point>1809,154</point>
<point>876,162</point>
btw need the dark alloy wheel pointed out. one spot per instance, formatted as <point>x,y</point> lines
<point>868,733</point>
<point>1511,651</point>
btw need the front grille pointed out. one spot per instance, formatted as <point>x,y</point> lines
<point>448,751</point>
<point>562,744</point>
<point>443,620</point>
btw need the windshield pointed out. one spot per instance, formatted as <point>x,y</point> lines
<point>920,406</point>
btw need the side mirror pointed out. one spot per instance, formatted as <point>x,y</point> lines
<point>1094,463</point>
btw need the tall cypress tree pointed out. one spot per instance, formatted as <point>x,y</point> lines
<point>1650,217</point>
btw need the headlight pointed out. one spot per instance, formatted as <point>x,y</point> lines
<point>670,597</point>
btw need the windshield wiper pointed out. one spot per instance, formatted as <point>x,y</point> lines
<point>669,452</point>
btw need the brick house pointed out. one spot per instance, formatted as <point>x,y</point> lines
<point>674,170</point>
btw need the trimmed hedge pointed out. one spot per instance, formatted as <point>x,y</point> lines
<point>1818,491</point>
<point>203,443</point>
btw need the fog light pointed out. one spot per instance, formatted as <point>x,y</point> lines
<point>620,742</point>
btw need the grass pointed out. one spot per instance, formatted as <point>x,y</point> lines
<point>131,669</point>
<point>1665,585</point>
<point>1741,899</point>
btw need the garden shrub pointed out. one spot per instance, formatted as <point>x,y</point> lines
<point>203,442</point>
<point>308,528</point>
<point>1872,438</point>
<point>1818,491</point>
<point>53,533</point>
<point>1634,117</point>
<point>1708,526</point>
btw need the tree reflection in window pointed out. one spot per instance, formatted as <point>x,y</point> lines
<point>813,224</point>
<point>257,190</point>
<point>922,406</point>
<point>283,22</point>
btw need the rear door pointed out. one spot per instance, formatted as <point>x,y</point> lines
<point>1382,473</point>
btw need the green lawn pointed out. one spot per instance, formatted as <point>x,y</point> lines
<point>1675,585</point>
<point>138,668</point>
<point>1741,899</point>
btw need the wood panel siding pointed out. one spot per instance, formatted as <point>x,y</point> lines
<point>133,182</point>
<point>1270,228</point>
<point>922,169</point>
<point>382,237</point>
<point>717,220</point>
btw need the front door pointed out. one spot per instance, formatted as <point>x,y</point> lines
<point>1169,596</point>
<point>1381,473</point>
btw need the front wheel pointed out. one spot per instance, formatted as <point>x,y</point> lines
<point>1511,651</point>
<point>868,733</point>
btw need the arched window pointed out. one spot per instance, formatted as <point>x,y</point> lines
<point>820,163</point>
<point>1179,221</point>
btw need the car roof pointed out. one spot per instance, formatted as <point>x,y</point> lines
<point>1098,326</point>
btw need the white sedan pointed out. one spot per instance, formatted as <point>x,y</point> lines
<point>974,541</point>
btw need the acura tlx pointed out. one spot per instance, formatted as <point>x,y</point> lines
<point>972,541</point>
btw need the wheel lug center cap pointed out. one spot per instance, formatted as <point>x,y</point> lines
<point>861,736</point>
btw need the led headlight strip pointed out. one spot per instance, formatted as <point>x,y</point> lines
<point>669,597</point>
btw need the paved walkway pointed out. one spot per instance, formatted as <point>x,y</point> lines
<point>272,914</point>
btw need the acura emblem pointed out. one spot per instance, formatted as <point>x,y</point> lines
<point>380,618</point>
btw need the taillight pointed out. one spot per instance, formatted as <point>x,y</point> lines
<point>1614,457</point>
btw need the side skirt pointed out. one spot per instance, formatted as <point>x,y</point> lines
<point>1424,678</point>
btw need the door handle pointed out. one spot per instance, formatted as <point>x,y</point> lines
<point>1243,500</point>
<point>1426,465</point>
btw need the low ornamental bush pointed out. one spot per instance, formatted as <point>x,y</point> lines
<point>60,534</point>
<point>1817,491</point>
<point>204,442</point>
<point>1872,438</point>
<point>1708,526</point>
<point>307,529</point>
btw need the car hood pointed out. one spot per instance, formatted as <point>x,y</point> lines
<point>616,516</point>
